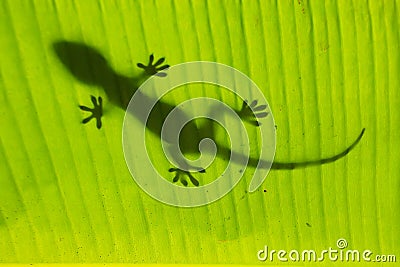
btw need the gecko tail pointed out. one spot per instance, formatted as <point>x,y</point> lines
<point>295,165</point>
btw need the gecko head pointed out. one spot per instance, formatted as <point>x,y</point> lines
<point>84,62</point>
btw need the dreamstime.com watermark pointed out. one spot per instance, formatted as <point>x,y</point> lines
<point>339,253</point>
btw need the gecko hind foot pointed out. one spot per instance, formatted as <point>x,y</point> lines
<point>181,174</point>
<point>250,112</point>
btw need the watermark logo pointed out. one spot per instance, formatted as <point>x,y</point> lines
<point>340,253</point>
<point>149,98</point>
<point>341,243</point>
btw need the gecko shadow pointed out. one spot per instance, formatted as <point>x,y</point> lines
<point>89,66</point>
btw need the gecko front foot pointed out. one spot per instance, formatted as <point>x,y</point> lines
<point>250,112</point>
<point>97,111</point>
<point>180,176</point>
<point>154,69</point>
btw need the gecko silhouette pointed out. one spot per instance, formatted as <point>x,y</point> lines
<point>88,65</point>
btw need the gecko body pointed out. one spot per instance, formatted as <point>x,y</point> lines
<point>89,66</point>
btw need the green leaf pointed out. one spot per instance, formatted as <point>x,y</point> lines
<point>327,68</point>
